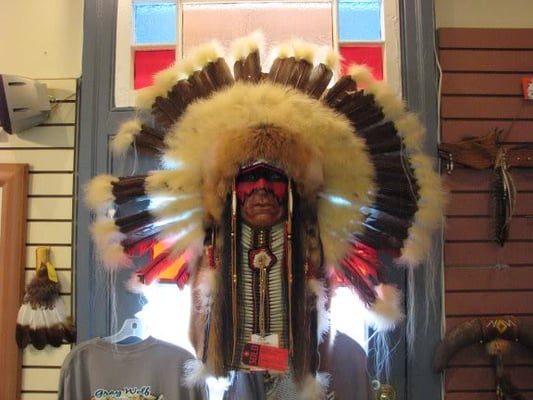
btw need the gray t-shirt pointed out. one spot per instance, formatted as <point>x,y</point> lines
<point>148,370</point>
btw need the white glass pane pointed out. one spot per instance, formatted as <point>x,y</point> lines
<point>279,22</point>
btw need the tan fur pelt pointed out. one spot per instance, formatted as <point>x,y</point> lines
<point>263,142</point>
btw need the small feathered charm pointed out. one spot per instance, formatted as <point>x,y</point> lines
<point>42,319</point>
<point>504,199</point>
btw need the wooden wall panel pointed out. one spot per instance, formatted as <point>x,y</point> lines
<point>464,204</point>
<point>486,253</point>
<point>481,91</point>
<point>482,228</point>
<point>489,278</point>
<point>477,107</point>
<point>483,378</point>
<point>516,131</point>
<point>482,84</point>
<point>486,60</point>
<point>474,38</point>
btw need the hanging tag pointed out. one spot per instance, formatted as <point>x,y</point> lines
<point>263,353</point>
<point>52,274</point>
<point>265,357</point>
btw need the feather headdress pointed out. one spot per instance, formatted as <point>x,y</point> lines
<point>351,150</point>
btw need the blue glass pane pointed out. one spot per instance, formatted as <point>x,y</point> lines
<point>359,20</point>
<point>154,23</point>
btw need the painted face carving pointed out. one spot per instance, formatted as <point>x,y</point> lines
<point>261,191</point>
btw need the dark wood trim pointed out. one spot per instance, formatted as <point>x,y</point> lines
<point>14,184</point>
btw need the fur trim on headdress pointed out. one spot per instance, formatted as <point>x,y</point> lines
<point>98,193</point>
<point>195,373</point>
<point>315,387</point>
<point>107,239</point>
<point>125,136</point>
<point>386,312</point>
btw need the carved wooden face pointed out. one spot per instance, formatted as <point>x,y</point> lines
<point>261,190</point>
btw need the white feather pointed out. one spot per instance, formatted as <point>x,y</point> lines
<point>125,136</point>
<point>195,373</point>
<point>315,387</point>
<point>386,312</point>
<point>99,192</point>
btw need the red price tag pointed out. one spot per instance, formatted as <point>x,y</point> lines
<point>265,357</point>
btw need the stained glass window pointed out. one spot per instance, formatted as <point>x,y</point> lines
<point>154,23</point>
<point>156,38</point>
<point>359,20</point>
<point>361,34</point>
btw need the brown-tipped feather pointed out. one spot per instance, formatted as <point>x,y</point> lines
<point>22,335</point>
<point>149,145</point>
<point>341,89</point>
<point>382,138</point>
<point>200,85</point>
<point>399,190</point>
<point>274,69</point>
<point>300,74</point>
<point>252,67</point>
<point>318,81</point>
<point>283,72</point>
<point>360,109</point>
<point>219,74</point>
<point>165,112</point>
<point>54,335</point>
<point>128,187</point>
<point>150,140</point>
<point>238,70</point>
<point>395,205</point>
<point>38,338</point>
<point>181,95</point>
<point>133,222</point>
<point>383,222</point>
<point>380,241</point>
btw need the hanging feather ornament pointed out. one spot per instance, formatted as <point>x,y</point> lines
<point>504,198</point>
<point>42,318</point>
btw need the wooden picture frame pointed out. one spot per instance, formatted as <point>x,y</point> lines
<point>13,214</point>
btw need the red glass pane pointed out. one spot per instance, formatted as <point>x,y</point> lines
<point>371,55</point>
<point>147,63</point>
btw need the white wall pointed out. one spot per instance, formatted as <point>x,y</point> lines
<point>41,39</point>
<point>484,13</point>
